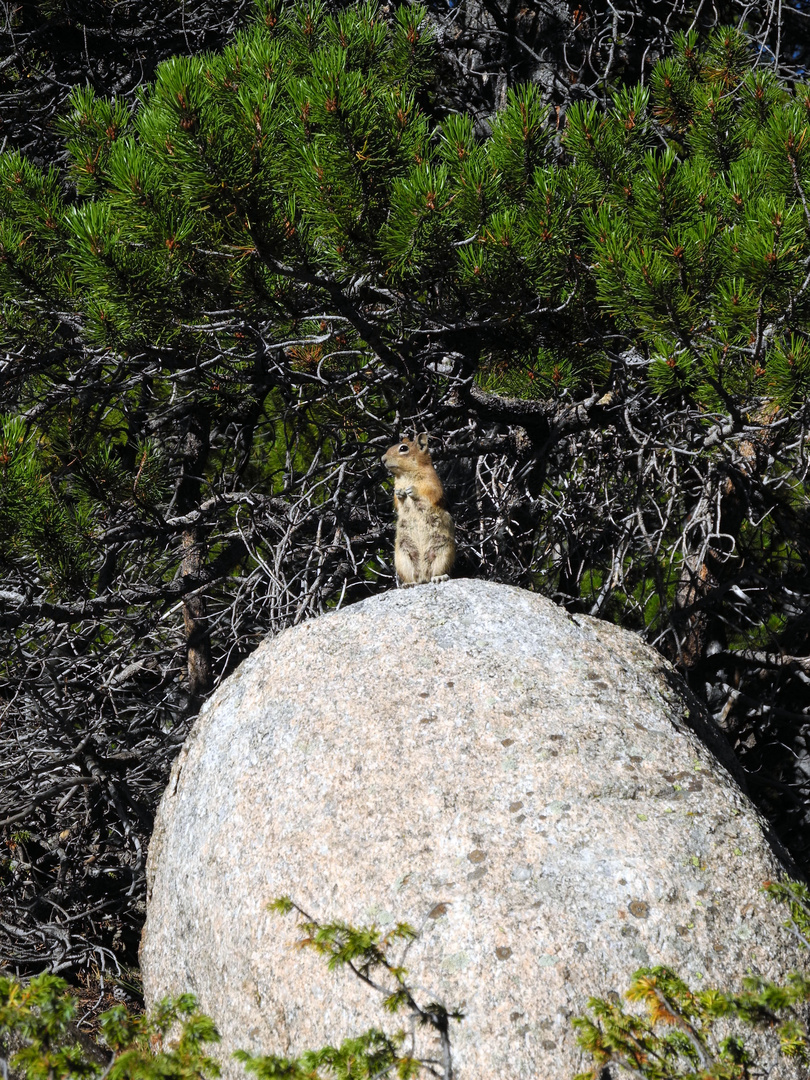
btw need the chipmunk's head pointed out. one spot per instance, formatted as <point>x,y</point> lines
<point>407,453</point>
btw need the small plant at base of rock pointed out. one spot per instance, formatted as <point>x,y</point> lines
<point>796,896</point>
<point>677,1038</point>
<point>364,950</point>
<point>672,1042</point>
<point>38,1017</point>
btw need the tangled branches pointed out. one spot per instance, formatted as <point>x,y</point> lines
<point>580,51</point>
<point>626,508</point>
<point>573,51</point>
<point>115,48</point>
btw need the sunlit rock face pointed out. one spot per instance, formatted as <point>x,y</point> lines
<point>535,793</point>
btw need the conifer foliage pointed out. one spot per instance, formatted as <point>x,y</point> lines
<point>274,260</point>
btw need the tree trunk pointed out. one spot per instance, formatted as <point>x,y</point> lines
<point>198,641</point>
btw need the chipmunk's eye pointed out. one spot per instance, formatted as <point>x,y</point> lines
<point>403,449</point>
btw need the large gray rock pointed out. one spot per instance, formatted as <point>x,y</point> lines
<point>525,787</point>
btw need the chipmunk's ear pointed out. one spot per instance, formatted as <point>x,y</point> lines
<point>422,440</point>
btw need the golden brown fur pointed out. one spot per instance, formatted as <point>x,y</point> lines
<point>425,547</point>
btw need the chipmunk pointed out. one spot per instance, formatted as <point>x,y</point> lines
<point>425,546</point>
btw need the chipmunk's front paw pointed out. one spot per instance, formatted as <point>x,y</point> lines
<point>440,577</point>
<point>403,493</point>
<point>407,584</point>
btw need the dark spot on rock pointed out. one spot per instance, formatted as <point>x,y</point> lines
<point>554,738</point>
<point>507,742</point>
<point>718,947</point>
<point>438,911</point>
<point>601,685</point>
<point>546,1024</point>
<point>424,693</point>
<point>450,683</point>
<point>592,675</point>
<point>477,855</point>
<point>519,818</point>
<point>639,908</point>
<point>580,947</point>
<point>554,753</point>
<point>549,1044</point>
<point>513,806</point>
<point>476,875</point>
<point>636,758</point>
<point>622,881</point>
<point>695,785</point>
<point>503,952</point>
<point>613,997</point>
<point>640,727</point>
<point>428,720</point>
<point>682,931</point>
<point>515,1016</point>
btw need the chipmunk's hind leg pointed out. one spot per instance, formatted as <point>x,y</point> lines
<point>440,560</point>
<point>406,564</point>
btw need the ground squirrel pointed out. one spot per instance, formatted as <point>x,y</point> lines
<point>425,546</point>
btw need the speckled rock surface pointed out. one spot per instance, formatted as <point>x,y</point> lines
<point>522,786</point>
